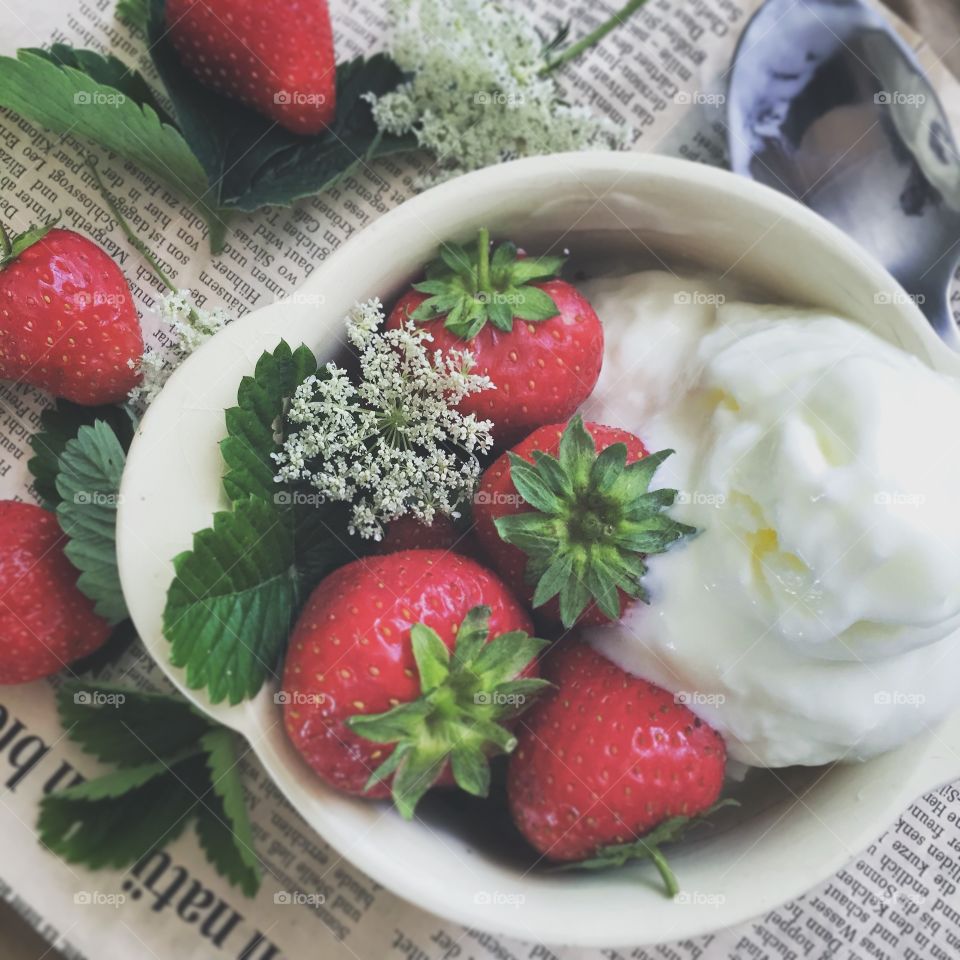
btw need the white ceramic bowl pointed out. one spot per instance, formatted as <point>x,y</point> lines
<point>650,207</point>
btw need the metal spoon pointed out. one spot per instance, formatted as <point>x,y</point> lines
<point>827,104</point>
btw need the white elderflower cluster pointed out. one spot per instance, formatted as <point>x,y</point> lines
<point>185,327</point>
<point>478,93</point>
<point>393,443</point>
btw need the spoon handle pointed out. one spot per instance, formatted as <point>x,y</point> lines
<point>931,292</point>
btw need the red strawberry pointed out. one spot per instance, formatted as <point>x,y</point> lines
<point>354,706</point>
<point>408,533</point>
<point>575,528</point>
<point>67,320</point>
<point>45,621</point>
<point>541,343</point>
<point>606,757</point>
<point>272,55</point>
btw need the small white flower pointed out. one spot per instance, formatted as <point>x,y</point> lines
<point>187,326</point>
<point>393,443</point>
<point>477,92</point>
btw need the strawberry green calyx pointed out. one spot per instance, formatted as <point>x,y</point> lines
<point>648,848</point>
<point>593,521</point>
<point>467,696</point>
<point>11,249</point>
<point>471,290</point>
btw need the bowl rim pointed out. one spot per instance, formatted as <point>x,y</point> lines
<point>251,334</point>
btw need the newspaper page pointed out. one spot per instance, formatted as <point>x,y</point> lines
<point>660,73</point>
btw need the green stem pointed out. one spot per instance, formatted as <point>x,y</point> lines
<point>483,260</point>
<point>668,876</point>
<point>575,49</point>
<point>6,247</point>
<point>140,246</point>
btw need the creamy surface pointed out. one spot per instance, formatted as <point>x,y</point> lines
<point>816,616</point>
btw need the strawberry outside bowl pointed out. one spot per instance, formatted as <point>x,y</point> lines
<point>796,827</point>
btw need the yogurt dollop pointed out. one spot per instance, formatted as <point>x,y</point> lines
<point>817,615</point>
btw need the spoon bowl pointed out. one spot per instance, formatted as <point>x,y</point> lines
<point>828,105</point>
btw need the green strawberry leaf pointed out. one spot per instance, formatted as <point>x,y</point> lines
<point>117,819</point>
<point>252,424</point>
<point>68,100</point>
<point>128,727</point>
<point>237,593</point>
<point>59,424</point>
<point>106,70</point>
<point>306,166</point>
<point>88,483</point>
<point>135,13</point>
<point>223,826</point>
<point>173,766</point>
<point>233,601</point>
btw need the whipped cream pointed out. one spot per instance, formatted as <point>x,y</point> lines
<point>816,616</point>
